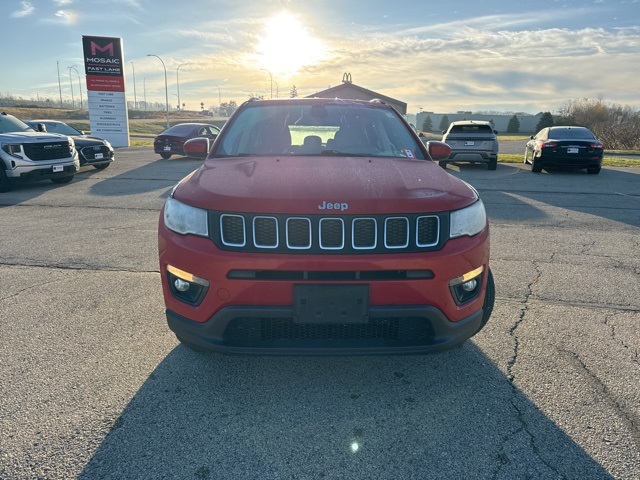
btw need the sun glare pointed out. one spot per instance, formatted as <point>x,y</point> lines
<point>286,45</point>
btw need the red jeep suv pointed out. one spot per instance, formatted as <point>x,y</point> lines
<point>323,226</point>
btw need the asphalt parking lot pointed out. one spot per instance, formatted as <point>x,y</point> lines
<point>95,386</point>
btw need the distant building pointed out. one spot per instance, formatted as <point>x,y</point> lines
<point>500,121</point>
<point>347,89</point>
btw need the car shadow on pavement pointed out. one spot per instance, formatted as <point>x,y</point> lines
<point>448,415</point>
<point>572,190</point>
<point>148,177</point>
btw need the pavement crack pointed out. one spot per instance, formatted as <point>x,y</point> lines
<point>515,394</point>
<point>75,267</point>
<point>635,357</point>
<point>521,317</point>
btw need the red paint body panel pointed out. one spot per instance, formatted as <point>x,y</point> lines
<point>297,185</point>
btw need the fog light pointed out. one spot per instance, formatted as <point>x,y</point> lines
<point>186,286</point>
<point>469,286</point>
<point>466,288</point>
<point>181,285</point>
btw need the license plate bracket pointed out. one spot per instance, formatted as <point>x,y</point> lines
<point>573,150</point>
<point>57,168</point>
<point>330,304</point>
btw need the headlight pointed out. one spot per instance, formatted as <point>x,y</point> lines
<point>468,221</point>
<point>184,219</point>
<point>13,149</point>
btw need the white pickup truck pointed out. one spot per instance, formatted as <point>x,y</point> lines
<point>28,155</point>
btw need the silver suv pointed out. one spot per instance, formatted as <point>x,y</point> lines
<point>472,141</point>
<point>27,155</point>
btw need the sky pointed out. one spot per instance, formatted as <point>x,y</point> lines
<point>444,56</point>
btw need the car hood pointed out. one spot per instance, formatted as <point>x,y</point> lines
<point>32,137</point>
<point>303,185</point>
<point>82,141</point>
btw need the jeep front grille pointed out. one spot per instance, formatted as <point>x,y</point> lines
<point>328,234</point>
<point>47,151</point>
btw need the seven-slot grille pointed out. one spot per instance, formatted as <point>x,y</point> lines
<point>328,234</point>
<point>47,151</point>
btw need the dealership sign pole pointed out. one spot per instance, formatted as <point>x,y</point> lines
<point>104,67</point>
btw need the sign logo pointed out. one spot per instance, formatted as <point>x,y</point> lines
<point>97,48</point>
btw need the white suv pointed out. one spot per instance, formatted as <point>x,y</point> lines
<point>472,141</point>
<point>27,155</point>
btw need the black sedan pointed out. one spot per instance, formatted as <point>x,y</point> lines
<point>170,141</point>
<point>564,147</point>
<point>92,150</point>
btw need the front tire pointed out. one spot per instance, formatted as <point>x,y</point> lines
<point>60,180</point>
<point>489,300</point>
<point>5,186</point>
<point>101,166</point>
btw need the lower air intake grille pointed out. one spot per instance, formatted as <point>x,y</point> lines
<point>265,332</point>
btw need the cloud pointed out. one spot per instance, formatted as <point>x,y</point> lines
<point>62,3</point>
<point>475,68</point>
<point>26,10</point>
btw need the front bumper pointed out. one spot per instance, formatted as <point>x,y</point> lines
<point>414,312</point>
<point>269,330</point>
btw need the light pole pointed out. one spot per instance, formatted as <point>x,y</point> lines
<point>135,98</point>
<point>178,83</point>
<point>166,87</point>
<point>144,91</point>
<point>271,78</point>
<point>79,85</point>
<point>59,84</point>
<point>73,102</point>
<point>277,89</point>
<point>219,97</point>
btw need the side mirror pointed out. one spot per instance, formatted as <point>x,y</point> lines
<point>41,127</point>
<point>438,150</point>
<point>197,147</point>
<point>495,131</point>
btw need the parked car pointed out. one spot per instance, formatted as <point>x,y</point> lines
<point>26,155</point>
<point>565,147</point>
<point>323,226</point>
<point>471,141</point>
<point>92,150</point>
<point>170,141</point>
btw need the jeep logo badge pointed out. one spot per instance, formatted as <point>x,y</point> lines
<point>333,206</point>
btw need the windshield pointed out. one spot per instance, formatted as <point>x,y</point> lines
<point>471,128</point>
<point>9,124</point>
<point>575,133</point>
<point>313,128</point>
<point>180,129</point>
<point>57,127</point>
